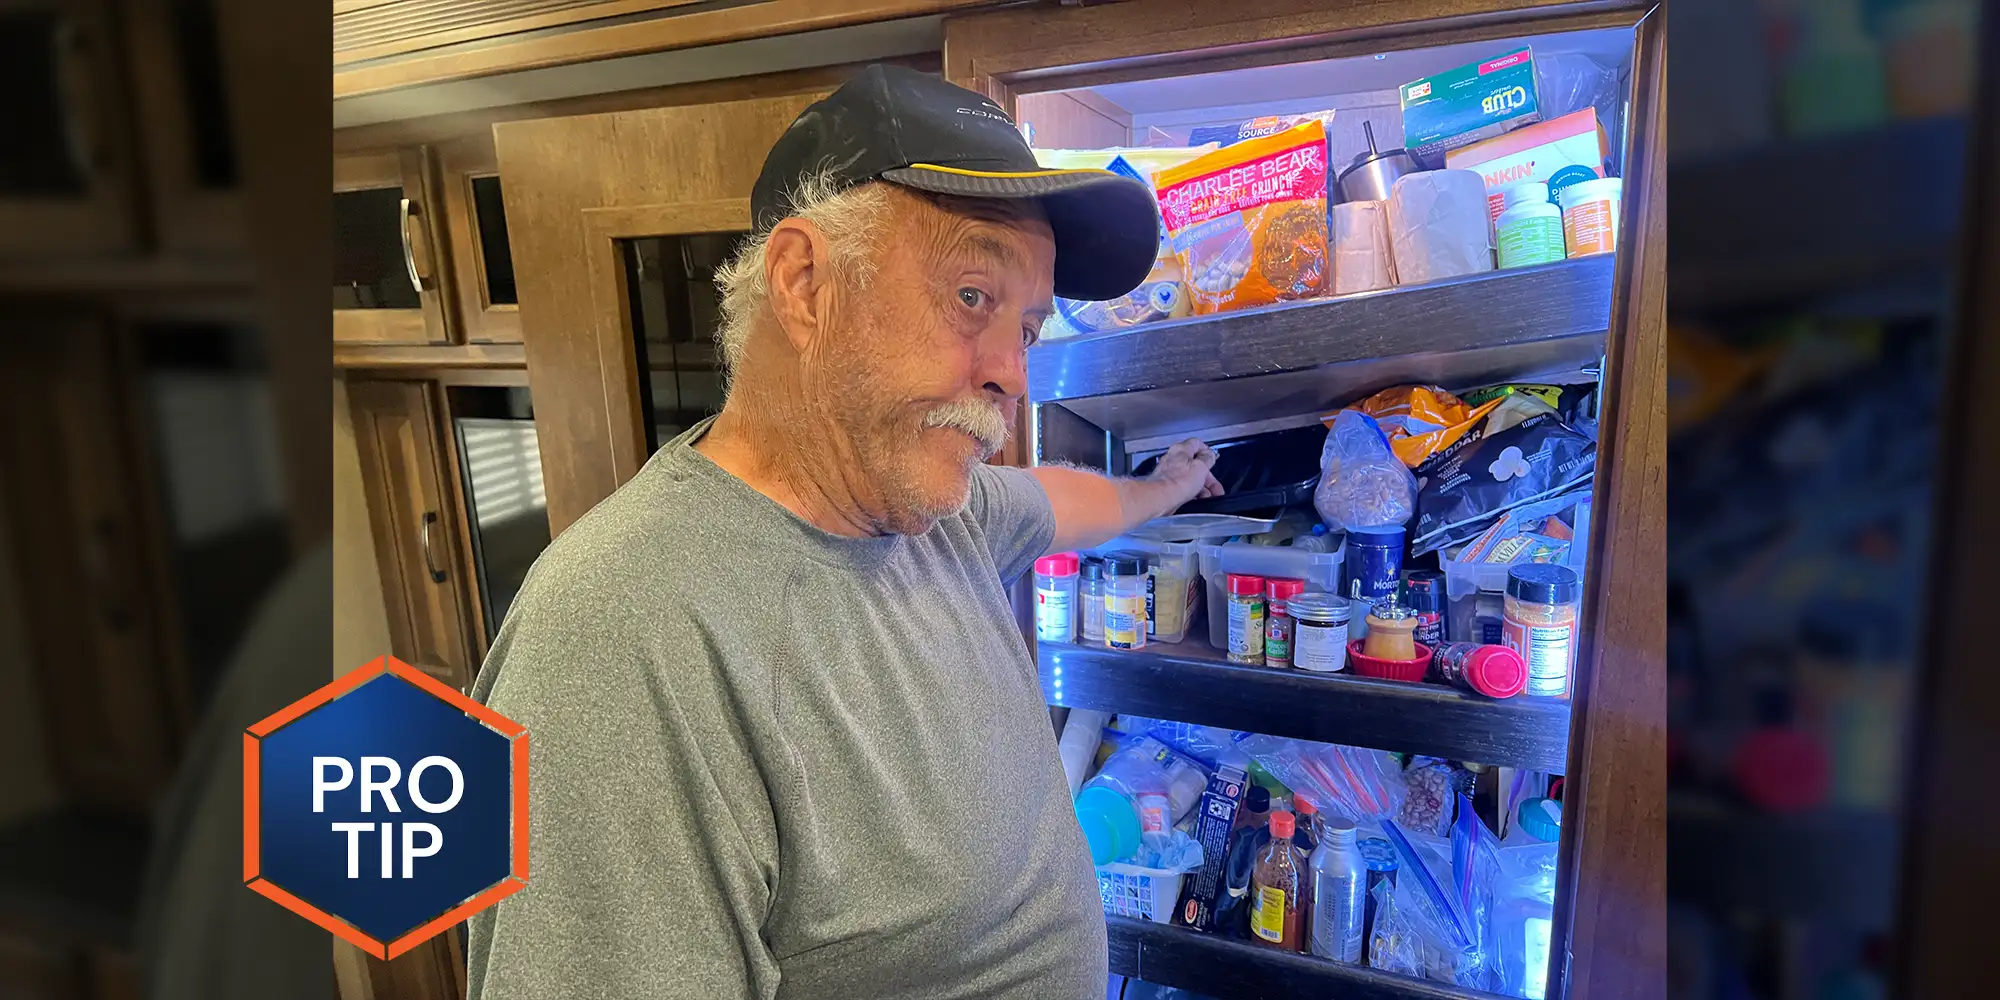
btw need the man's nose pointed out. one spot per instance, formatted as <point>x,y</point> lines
<point>1005,374</point>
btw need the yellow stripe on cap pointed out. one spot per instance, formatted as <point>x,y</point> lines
<point>1025,173</point>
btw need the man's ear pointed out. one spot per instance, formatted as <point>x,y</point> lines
<point>795,270</point>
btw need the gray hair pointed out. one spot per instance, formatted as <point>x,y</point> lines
<point>851,218</point>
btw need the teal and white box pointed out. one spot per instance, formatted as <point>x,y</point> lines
<point>1476,101</point>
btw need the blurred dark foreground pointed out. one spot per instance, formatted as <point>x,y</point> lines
<point>165,499</point>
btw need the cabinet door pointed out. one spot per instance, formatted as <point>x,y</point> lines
<point>183,116</point>
<point>617,223</point>
<point>65,166</point>
<point>399,437</point>
<point>81,534</point>
<point>475,222</point>
<point>388,287</point>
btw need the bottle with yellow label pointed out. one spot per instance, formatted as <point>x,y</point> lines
<point>1275,887</point>
<point>1125,600</point>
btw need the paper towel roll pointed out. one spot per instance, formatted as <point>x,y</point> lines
<point>1361,260</point>
<point>1439,226</point>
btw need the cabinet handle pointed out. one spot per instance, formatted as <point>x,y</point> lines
<point>430,563</point>
<point>410,252</point>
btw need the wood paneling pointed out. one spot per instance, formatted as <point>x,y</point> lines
<point>1613,881</point>
<point>384,29</point>
<point>1074,121</point>
<point>428,356</point>
<point>438,128</point>
<point>574,185</point>
<point>676,31</point>
<point>103,216</point>
<point>399,439</point>
<point>188,216</point>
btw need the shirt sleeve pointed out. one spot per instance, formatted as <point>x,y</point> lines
<point>653,847</point>
<point>1013,511</point>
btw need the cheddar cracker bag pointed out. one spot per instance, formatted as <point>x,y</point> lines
<point>1248,221</point>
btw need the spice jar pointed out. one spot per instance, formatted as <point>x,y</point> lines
<point>1055,597</point>
<point>1246,618</point>
<point>1278,620</point>
<point>1090,594</point>
<point>1319,632</point>
<point>1125,600</point>
<point>1374,564</point>
<point>1538,621</point>
<point>1425,593</point>
<point>1389,628</point>
<point>1494,671</point>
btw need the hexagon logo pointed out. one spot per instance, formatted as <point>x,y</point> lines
<point>385,807</point>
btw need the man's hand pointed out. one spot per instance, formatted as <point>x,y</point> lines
<point>1185,470</point>
<point>1091,509</point>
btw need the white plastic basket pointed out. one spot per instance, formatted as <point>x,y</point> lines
<point>1132,891</point>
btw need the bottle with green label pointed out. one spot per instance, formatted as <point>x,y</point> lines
<point>1530,231</point>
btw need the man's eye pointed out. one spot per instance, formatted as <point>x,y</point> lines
<point>1030,333</point>
<point>972,297</point>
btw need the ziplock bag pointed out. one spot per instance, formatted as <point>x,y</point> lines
<point>1365,786</point>
<point>1362,482</point>
<point>1419,931</point>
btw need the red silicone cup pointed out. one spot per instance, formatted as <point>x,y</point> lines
<point>1394,670</point>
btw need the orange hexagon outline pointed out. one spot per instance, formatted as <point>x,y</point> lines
<point>252,773</point>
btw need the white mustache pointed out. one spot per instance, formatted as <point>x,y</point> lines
<point>980,418</point>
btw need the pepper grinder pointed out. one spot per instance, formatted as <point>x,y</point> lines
<point>1390,625</point>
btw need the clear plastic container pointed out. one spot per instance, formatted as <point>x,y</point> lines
<point>1473,591</point>
<point>1135,800</point>
<point>1172,589</point>
<point>1090,594</point>
<point>1320,571</point>
<point>1125,600</point>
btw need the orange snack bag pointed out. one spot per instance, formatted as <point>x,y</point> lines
<point>1248,221</point>
<point>1421,420</point>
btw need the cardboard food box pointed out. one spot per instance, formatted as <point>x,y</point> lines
<point>1459,107</point>
<point>1558,152</point>
<point>1196,907</point>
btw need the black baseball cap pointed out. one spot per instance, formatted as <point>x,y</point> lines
<point>898,125</point>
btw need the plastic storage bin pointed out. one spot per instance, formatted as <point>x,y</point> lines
<point>1464,582</point>
<point>1171,583</point>
<point>1320,571</point>
<point>1132,891</point>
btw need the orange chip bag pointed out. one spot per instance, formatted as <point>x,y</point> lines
<point>1248,221</point>
<point>1421,420</point>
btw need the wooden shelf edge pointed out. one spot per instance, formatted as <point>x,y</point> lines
<point>429,356</point>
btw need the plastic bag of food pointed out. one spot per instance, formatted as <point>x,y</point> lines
<point>1361,481</point>
<point>1363,785</point>
<point>1418,929</point>
<point>1255,128</point>
<point>1248,222</point>
<point>1479,478</point>
<point>1163,295</point>
<point>1421,420</point>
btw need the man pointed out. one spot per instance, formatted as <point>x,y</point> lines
<point>786,739</point>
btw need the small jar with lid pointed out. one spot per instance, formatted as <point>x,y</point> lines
<point>1246,618</point>
<point>1319,632</point>
<point>1538,621</point>
<point>1278,593</point>
<point>1125,600</point>
<point>1090,594</point>
<point>1055,597</point>
<point>1390,624</point>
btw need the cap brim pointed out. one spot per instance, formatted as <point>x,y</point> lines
<point>1107,228</point>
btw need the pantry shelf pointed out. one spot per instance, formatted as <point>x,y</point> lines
<point>1197,374</point>
<point>1228,969</point>
<point>1189,682</point>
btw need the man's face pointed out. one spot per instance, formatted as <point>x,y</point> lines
<point>928,373</point>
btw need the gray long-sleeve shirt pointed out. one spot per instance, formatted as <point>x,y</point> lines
<point>767,761</point>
